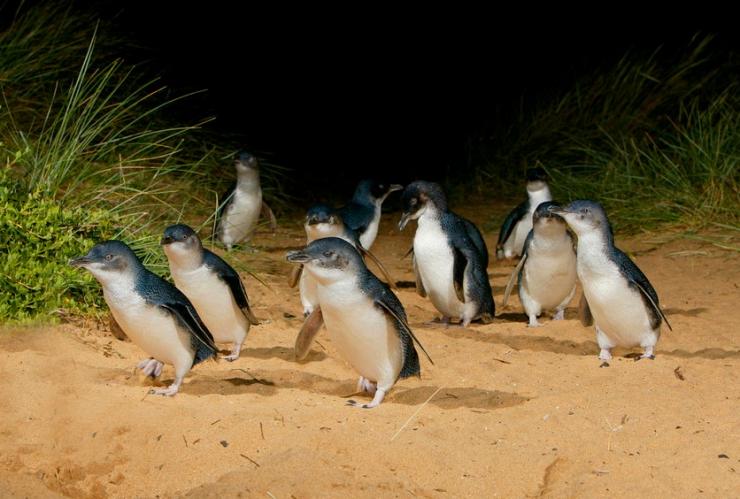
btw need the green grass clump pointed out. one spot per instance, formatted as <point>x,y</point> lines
<point>88,153</point>
<point>656,139</point>
<point>38,236</point>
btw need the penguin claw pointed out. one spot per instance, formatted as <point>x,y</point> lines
<point>604,364</point>
<point>351,403</point>
<point>645,356</point>
<point>231,358</point>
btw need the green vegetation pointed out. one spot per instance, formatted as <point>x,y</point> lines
<point>655,139</point>
<point>87,155</point>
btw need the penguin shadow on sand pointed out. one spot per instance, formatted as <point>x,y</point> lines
<point>269,382</point>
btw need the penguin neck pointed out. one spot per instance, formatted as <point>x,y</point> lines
<point>538,196</point>
<point>430,215</point>
<point>550,235</point>
<point>248,181</point>
<point>185,260</point>
<point>594,243</point>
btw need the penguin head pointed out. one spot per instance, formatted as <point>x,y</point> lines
<point>108,261</point>
<point>536,179</point>
<point>584,216</point>
<point>179,241</point>
<point>328,259</point>
<point>246,162</point>
<point>373,191</point>
<point>322,214</point>
<point>544,218</point>
<point>322,221</point>
<point>416,199</point>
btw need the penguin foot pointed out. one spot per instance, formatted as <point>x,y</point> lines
<point>605,354</point>
<point>170,391</point>
<point>645,356</point>
<point>604,364</point>
<point>533,322</point>
<point>231,357</point>
<point>377,399</point>
<point>151,367</point>
<point>559,315</point>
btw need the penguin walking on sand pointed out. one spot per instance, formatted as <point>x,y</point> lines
<point>153,313</point>
<point>518,223</point>
<point>212,286</point>
<point>546,272</point>
<point>449,254</point>
<point>366,322</point>
<point>362,213</point>
<point>619,298</point>
<point>238,215</point>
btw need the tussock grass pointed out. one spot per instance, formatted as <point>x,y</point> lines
<point>87,154</point>
<point>656,139</point>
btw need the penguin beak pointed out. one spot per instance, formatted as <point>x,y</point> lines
<point>166,240</point>
<point>80,261</point>
<point>558,211</point>
<point>404,220</point>
<point>394,188</point>
<point>298,257</point>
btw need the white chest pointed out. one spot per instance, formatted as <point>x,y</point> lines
<point>241,215</point>
<point>618,309</point>
<point>368,237</point>
<point>435,261</point>
<point>549,274</point>
<point>150,328</point>
<point>214,302</point>
<point>361,332</point>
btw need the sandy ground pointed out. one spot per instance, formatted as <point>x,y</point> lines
<point>515,412</point>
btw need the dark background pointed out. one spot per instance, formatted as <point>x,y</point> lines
<point>341,94</point>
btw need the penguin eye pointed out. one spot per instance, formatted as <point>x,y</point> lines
<point>108,257</point>
<point>328,254</point>
<point>413,202</point>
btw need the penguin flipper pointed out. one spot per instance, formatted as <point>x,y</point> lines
<point>477,238</point>
<point>230,277</point>
<point>510,222</point>
<point>267,213</point>
<point>584,312</point>
<point>635,276</point>
<point>308,332</point>
<point>367,253</point>
<point>419,285</point>
<point>458,273</point>
<point>400,318</point>
<point>655,305</point>
<point>295,275</point>
<point>222,207</point>
<point>201,337</point>
<point>514,274</point>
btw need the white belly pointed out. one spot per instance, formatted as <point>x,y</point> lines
<point>618,310</point>
<point>214,303</point>
<point>151,329</point>
<point>361,332</point>
<point>549,277</point>
<point>368,238</point>
<point>241,216</point>
<point>435,261</point>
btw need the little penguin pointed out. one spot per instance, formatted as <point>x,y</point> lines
<point>362,213</point>
<point>449,254</point>
<point>518,223</point>
<point>622,302</point>
<point>238,215</point>
<point>153,313</point>
<point>547,270</point>
<point>322,221</point>
<point>366,322</point>
<point>212,286</point>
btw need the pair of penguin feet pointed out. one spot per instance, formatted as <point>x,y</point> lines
<point>559,315</point>
<point>605,356</point>
<point>364,385</point>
